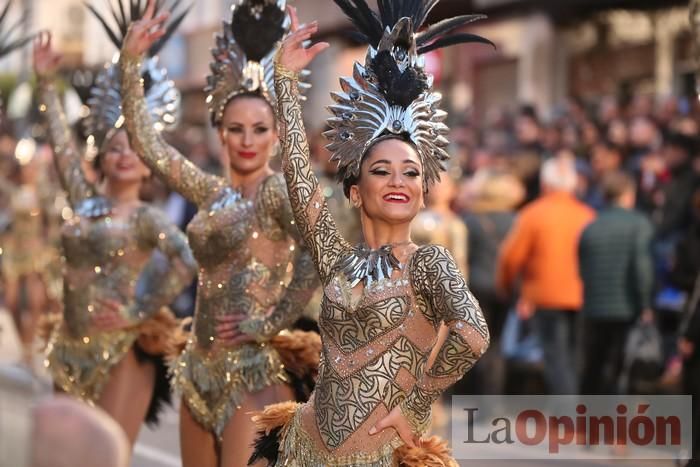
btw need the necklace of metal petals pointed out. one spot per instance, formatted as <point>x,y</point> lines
<point>367,265</point>
<point>96,206</point>
<point>229,196</point>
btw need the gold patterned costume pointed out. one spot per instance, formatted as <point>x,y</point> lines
<point>445,229</point>
<point>27,246</point>
<point>250,262</point>
<point>375,339</point>
<point>142,262</point>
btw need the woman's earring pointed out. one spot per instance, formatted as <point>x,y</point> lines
<point>276,150</point>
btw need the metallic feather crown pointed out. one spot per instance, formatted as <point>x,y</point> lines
<point>391,95</point>
<point>10,39</point>
<point>162,97</point>
<point>244,54</point>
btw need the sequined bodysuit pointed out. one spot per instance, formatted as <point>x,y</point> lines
<point>141,261</point>
<point>376,339</point>
<point>250,263</point>
<point>26,246</point>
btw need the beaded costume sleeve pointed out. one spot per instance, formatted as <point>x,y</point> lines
<point>66,154</point>
<point>178,172</point>
<point>304,279</point>
<point>311,213</point>
<point>439,282</point>
<point>164,276</point>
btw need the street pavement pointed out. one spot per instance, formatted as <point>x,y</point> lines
<point>161,448</point>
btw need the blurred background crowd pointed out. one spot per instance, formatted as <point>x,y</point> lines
<point>572,201</point>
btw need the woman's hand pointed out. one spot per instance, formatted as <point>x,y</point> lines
<point>292,55</point>
<point>525,309</point>
<point>45,59</point>
<point>145,32</point>
<point>228,333</point>
<point>108,316</point>
<point>398,422</point>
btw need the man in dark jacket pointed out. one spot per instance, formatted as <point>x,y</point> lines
<point>616,269</point>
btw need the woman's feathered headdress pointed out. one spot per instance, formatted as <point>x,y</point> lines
<point>12,34</point>
<point>162,97</point>
<point>244,54</point>
<point>391,94</point>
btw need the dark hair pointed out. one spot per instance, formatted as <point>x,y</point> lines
<point>249,95</point>
<point>101,150</point>
<point>687,144</point>
<point>616,184</point>
<point>609,145</point>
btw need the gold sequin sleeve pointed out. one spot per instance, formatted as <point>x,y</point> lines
<point>304,279</point>
<point>170,269</point>
<point>438,281</point>
<point>67,158</point>
<point>311,213</point>
<point>175,169</point>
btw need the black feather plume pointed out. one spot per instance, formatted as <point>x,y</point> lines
<point>387,13</point>
<point>266,447</point>
<point>364,19</point>
<point>8,43</point>
<point>423,10</point>
<point>399,88</point>
<point>372,25</point>
<point>136,9</point>
<point>446,26</point>
<point>391,11</point>
<point>3,15</point>
<point>257,26</point>
<point>463,38</point>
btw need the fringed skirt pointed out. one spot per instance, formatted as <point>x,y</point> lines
<point>81,366</point>
<point>283,441</point>
<point>213,383</point>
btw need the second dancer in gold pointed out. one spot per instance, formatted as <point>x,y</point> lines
<point>254,276</point>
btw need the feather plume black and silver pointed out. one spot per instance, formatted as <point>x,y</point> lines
<point>244,54</point>
<point>12,34</point>
<point>162,97</point>
<point>391,94</point>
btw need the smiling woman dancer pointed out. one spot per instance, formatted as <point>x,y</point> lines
<point>384,300</point>
<point>124,261</point>
<point>243,237</point>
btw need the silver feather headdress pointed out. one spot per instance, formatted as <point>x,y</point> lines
<point>162,97</point>
<point>244,54</point>
<point>391,95</point>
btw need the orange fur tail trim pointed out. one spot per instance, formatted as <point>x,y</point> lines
<point>162,334</point>
<point>433,452</point>
<point>300,351</point>
<point>274,416</point>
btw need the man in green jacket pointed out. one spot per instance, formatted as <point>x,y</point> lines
<point>617,273</point>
